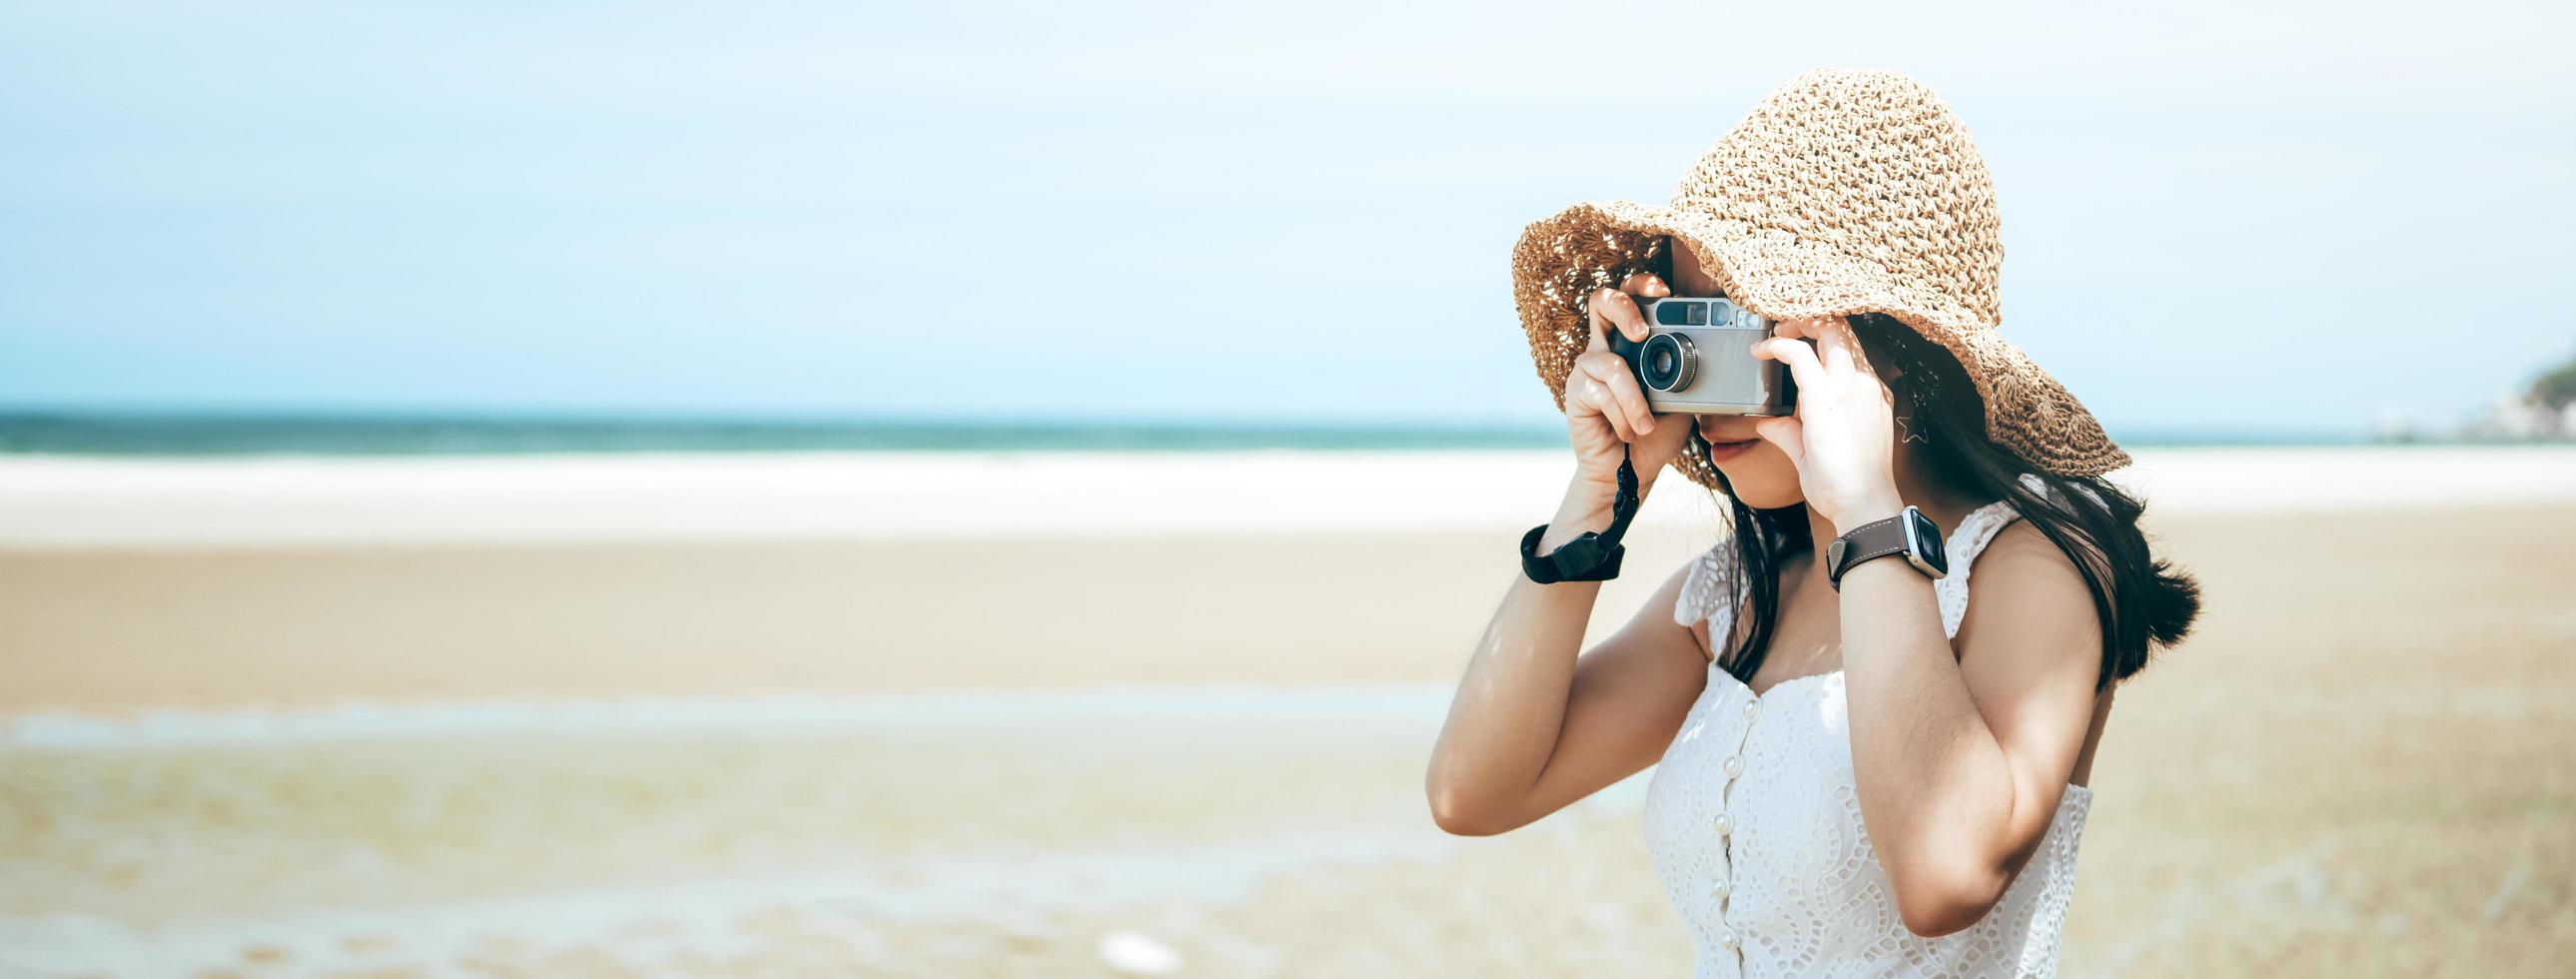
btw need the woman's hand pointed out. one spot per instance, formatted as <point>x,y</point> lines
<point>1843,438</point>
<point>1605,409</point>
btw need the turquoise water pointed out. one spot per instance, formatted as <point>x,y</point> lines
<point>329,435</point>
<point>225,435</point>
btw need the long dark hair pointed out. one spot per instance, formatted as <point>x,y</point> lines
<point>2138,597</point>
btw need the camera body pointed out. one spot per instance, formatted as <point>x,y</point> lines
<point>1694,362</point>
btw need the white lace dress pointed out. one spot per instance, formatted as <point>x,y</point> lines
<point>1754,826</point>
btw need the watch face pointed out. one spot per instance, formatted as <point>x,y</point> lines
<point>1926,540</point>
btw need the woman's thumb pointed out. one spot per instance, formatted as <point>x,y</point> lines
<point>1783,431</point>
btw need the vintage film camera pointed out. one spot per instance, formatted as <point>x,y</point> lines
<point>1693,360</point>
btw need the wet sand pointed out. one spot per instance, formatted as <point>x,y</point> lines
<point>924,756</point>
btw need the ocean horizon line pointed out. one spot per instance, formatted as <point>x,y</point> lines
<point>172,433</point>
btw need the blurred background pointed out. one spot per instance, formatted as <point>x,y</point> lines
<point>779,489</point>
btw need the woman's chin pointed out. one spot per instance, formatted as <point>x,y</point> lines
<point>1760,490</point>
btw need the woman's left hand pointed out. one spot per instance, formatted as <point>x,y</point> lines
<point>1843,437</point>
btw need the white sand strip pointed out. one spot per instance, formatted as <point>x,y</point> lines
<point>664,928</point>
<point>66,502</point>
<point>1413,708</point>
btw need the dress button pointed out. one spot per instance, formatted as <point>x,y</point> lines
<point>1725,826</point>
<point>1718,889</point>
<point>1752,707</point>
<point>1734,765</point>
<point>1726,937</point>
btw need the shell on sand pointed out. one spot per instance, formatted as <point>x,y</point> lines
<point>1133,954</point>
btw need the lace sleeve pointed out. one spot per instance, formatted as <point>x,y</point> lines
<point>1975,532</point>
<point>1702,587</point>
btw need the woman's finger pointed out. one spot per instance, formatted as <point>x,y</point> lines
<point>1596,396</point>
<point>1837,348</point>
<point>1801,358</point>
<point>1594,323</point>
<point>1611,310</point>
<point>1787,432</point>
<point>1613,374</point>
<point>1646,284</point>
<point>1622,312</point>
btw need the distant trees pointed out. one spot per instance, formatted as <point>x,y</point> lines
<point>2547,410</point>
<point>2543,412</point>
<point>2557,388</point>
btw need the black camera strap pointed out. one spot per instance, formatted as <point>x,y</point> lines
<point>1591,555</point>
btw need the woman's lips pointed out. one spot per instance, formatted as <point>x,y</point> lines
<point>1725,450</point>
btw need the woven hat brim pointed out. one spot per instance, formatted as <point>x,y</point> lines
<point>1561,258</point>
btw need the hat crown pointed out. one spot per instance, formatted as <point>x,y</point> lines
<point>1871,164</point>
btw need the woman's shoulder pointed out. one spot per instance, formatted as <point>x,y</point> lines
<point>1998,529</point>
<point>1994,550</point>
<point>2021,556</point>
<point>2019,574</point>
<point>2004,543</point>
<point>1706,582</point>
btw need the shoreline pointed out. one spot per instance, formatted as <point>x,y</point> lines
<point>56,503</point>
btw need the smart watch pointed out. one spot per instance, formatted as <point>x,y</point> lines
<point>1909,533</point>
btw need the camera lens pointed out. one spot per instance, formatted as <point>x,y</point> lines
<point>1668,361</point>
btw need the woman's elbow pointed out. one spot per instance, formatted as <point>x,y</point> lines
<point>1459,816</point>
<point>1933,906</point>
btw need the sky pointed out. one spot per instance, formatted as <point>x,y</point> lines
<point>2222,218</point>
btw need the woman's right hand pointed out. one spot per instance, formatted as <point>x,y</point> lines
<point>1605,408</point>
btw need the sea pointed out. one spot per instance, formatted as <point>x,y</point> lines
<point>231,434</point>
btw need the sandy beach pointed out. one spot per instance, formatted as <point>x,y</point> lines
<point>1047,715</point>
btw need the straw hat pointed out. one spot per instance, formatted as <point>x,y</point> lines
<point>1843,192</point>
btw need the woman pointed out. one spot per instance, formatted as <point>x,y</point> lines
<point>1864,769</point>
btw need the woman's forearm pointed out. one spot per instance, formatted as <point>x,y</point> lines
<point>1936,789</point>
<point>1510,705</point>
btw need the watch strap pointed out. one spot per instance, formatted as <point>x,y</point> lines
<point>1875,539</point>
<point>1591,555</point>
